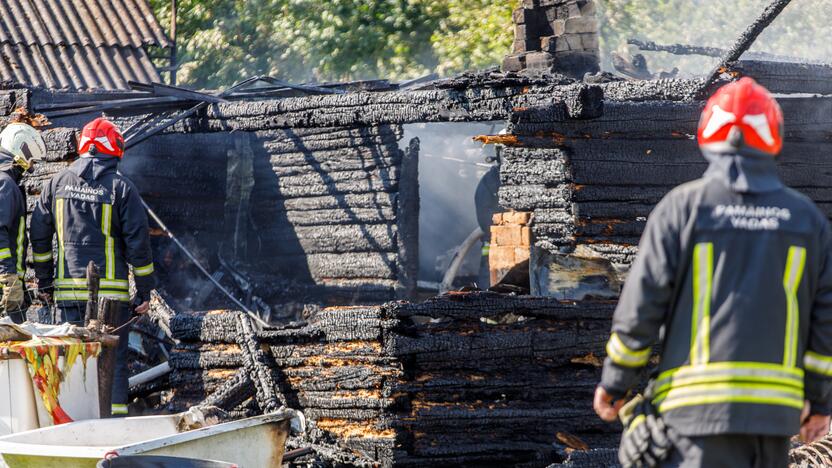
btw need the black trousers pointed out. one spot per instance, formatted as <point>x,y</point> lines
<point>73,312</point>
<point>731,451</point>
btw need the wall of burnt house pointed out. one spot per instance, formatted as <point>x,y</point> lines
<point>309,199</point>
<point>591,184</point>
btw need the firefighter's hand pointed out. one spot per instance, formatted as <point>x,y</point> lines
<point>814,427</point>
<point>604,406</point>
<point>142,308</point>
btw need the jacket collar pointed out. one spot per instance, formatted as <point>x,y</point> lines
<point>744,172</point>
<point>90,167</point>
<point>7,166</point>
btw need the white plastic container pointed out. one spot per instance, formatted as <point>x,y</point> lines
<point>257,442</point>
<point>21,406</point>
<point>18,410</point>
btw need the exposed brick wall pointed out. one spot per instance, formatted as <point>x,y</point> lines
<point>555,36</point>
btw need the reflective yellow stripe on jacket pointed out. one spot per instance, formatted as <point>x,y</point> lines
<point>75,289</point>
<point>818,363</point>
<point>21,253</point>
<point>704,382</point>
<point>729,382</point>
<point>625,356</point>
<point>703,276</point>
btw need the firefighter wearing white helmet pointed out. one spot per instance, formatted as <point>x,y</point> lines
<point>20,146</point>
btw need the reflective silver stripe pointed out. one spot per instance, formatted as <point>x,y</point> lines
<point>118,409</point>
<point>731,393</point>
<point>82,295</point>
<point>818,363</point>
<point>795,262</point>
<point>725,372</point>
<point>5,253</point>
<point>21,235</point>
<point>703,259</point>
<point>109,242</point>
<point>625,356</point>
<point>144,271</point>
<point>80,283</point>
<point>43,257</point>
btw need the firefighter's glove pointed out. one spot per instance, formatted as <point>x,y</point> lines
<point>12,299</point>
<point>646,440</point>
<point>45,290</point>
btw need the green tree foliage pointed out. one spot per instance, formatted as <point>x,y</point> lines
<point>223,41</point>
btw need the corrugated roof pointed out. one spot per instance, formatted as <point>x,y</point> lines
<point>80,22</point>
<point>76,67</point>
<point>78,44</point>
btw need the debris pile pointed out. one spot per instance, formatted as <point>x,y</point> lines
<point>464,378</point>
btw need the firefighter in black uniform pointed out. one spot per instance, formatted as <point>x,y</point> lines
<point>96,215</point>
<point>734,273</point>
<point>20,146</point>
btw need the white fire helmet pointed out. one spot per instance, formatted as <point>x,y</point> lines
<point>24,143</point>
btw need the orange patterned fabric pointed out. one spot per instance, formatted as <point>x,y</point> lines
<point>41,355</point>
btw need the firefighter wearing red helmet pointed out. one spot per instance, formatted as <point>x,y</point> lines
<point>95,214</point>
<point>733,282</point>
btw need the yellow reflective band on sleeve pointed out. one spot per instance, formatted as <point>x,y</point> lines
<point>818,363</point>
<point>5,253</point>
<point>59,230</point>
<point>21,236</point>
<point>43,257</point>
<point>109,242</point>
<point>703,267</point>
<point>144,271</point>
<point>486,249</point>
<point>624,356</point>
<point>118,409</point>
<point>795,262</point>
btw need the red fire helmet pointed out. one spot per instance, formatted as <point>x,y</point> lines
<point>741,113</point>
<point>101,136</point>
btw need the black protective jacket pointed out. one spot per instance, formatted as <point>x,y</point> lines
<point>13,240</point>
<point>733,279</point>
<point>96,215</point>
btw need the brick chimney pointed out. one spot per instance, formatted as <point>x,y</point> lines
<point>559,36</point>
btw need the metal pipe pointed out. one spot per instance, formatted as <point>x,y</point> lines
<point>199,265</point>
<point>149,375</point>
<point>453,269</point>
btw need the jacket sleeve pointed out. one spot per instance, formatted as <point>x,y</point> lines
<point>41,231</point>
<point>10,194</point>
<point>817,359</point>
<point>645,300</point>
<point>136,232</point>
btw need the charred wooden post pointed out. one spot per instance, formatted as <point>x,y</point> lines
<point>91,314</point>
<point>108,315</point>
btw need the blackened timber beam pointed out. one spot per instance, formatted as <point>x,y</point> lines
<point>742,43</point>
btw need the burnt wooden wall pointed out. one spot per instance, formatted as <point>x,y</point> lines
<point>316,196</point>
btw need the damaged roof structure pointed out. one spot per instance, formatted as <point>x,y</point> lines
<point>78,44</point>
<point>304,202</point>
